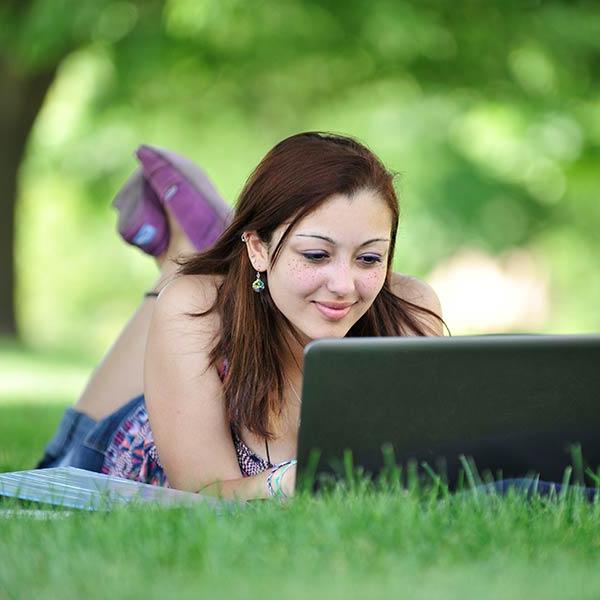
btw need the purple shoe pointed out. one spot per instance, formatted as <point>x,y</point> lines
<point>142,219</point>
<point>184,187</point>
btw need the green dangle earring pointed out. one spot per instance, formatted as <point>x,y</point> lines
<point>258,285</point>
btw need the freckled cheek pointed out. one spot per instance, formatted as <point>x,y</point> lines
<point>372,282</point>
<point>304,278</point>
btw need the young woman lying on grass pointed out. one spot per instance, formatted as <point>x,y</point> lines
<point>201,390</point>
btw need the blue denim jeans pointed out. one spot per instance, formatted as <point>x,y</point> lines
<point>80,441</point>
<point>530,487</point>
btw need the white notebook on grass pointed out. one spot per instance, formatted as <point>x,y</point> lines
<point>77,488</point>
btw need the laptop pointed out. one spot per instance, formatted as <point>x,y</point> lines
<point>510,405</point>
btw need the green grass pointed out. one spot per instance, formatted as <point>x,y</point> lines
<point>35,388</point>
<point>347,544</point>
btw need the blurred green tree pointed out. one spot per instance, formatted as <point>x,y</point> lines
<point>496,102</point>
<point>35,37</point>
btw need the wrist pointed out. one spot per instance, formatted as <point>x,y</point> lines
<point>288,482</point>
<point>277,484</point>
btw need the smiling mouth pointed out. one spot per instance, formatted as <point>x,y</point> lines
<point>333,312</point>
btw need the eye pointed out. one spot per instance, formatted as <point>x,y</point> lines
<point>370,259</point>
<point>314,256</point>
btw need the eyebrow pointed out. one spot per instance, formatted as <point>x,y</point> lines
<point>332,242</point>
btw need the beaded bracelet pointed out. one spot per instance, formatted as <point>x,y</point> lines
<point>276,491</point>
<point>278,478</point>
<point>275,477</point>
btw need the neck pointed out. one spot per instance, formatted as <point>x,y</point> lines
<point>294,367</point>
<point>294,363</point>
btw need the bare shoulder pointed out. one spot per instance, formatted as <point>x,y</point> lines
<point>420,293</point>
<point>177,309</point>
<point>416,291</point>
<point>188,293</point>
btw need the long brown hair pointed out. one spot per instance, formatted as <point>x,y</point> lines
<point>292,180</point>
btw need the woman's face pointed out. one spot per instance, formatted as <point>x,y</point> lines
<point>332,265</point>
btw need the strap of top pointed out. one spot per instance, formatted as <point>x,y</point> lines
<point>222,369</point>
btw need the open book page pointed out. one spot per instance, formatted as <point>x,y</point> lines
<point>77,488</point>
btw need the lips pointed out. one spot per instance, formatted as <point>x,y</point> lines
<point>333,311</point>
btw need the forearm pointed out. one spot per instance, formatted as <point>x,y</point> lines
<point>250,488</point>
<point>244,488</point>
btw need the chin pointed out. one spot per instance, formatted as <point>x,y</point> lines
<point>317,333</point>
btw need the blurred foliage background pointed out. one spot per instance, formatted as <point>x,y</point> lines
<point>488,111</point>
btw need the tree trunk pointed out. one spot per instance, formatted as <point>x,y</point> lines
<point>21,97</point>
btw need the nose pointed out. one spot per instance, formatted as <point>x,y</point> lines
<point>340,280</point>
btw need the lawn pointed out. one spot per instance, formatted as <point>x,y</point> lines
<point>348,544</point>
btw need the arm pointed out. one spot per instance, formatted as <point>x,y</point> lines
<point>184,397</point>
<point>251,488</point>
<point>420,293</point>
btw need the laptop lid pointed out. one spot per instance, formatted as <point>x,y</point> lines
<point>514,403</point>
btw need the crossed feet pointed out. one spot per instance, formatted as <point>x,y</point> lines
<point>169,209</point>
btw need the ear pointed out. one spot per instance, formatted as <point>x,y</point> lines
<point>258,251</point>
